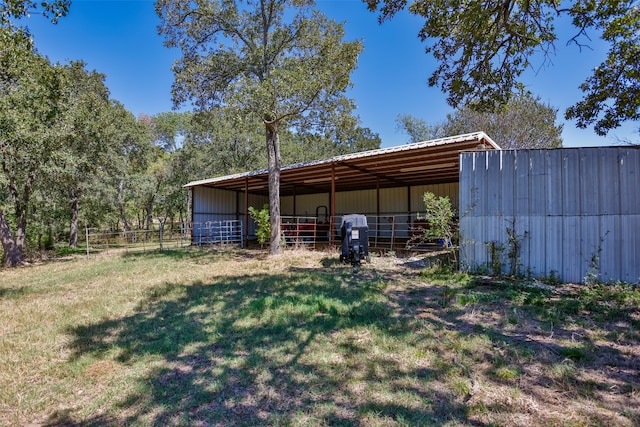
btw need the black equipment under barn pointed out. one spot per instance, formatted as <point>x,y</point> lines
<point>355,239</point>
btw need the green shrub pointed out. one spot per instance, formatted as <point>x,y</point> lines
<point>262,220</point>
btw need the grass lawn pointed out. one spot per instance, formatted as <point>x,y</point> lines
<point>232,337</point>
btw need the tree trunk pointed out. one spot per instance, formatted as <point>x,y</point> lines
<point>21,234</point>
<point>123,216</point>
<point>13,256</point>
<point>73,228</point>
<point>273,150</point>
<point>149,219</point>
<point>125,224</point>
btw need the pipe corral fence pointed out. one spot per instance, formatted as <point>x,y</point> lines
<point>188,234</point>
<point>386,233</point>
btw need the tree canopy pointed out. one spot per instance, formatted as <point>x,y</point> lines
<point>483,47</point>
<point>278,60</point>
<point>31,131</point>
<point>524,122</point>
<point>10,10</point>
<point>417,129</point>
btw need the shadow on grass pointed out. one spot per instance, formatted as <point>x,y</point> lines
<point>319,347</point>
<point>582,341</point>
<point>194,253</point>
<point>16,292</point>
<point>260,350</point>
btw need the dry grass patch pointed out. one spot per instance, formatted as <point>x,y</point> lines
<point>234,337</point>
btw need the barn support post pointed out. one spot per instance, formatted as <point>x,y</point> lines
<point>191,214</point>
<point>295,212</point>
<point>86,236</point>
<point>332,201</point>
<point>238,194</point>
<point>246,212</point>
<point>237,205</point>
<point>377,209</point>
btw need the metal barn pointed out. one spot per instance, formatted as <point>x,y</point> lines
<point>386,184</point>
<point>575,211</point>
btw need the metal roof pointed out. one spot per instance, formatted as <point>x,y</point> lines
<point>428,162</point>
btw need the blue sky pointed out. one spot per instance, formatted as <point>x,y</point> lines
<point>119,39</point>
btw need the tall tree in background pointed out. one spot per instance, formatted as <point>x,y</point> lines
<point>417,129</point>
<point>228,141</point>
<point>524,122</point>
<point>31,130</point>
<point>134,151</point>
<point>22,70</point>
<point>483,47</point>
<point>342,131</point>
<point>85,153</point>
<point>278,60</point>
<point>169,129</point>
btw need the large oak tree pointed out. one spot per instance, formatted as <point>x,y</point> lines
<point>483,47</point>
<point>31,131</point>
<point>279,60</point>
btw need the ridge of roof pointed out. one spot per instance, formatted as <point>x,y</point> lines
<point>351,156</point>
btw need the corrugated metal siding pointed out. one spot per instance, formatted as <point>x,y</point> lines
<point>213,204</point>
<point>392,201</point>
<point>305,205</point>
<point>357,202</point>
<point>255,200</point>
<point>450,190</point>
<point>569,205</point>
